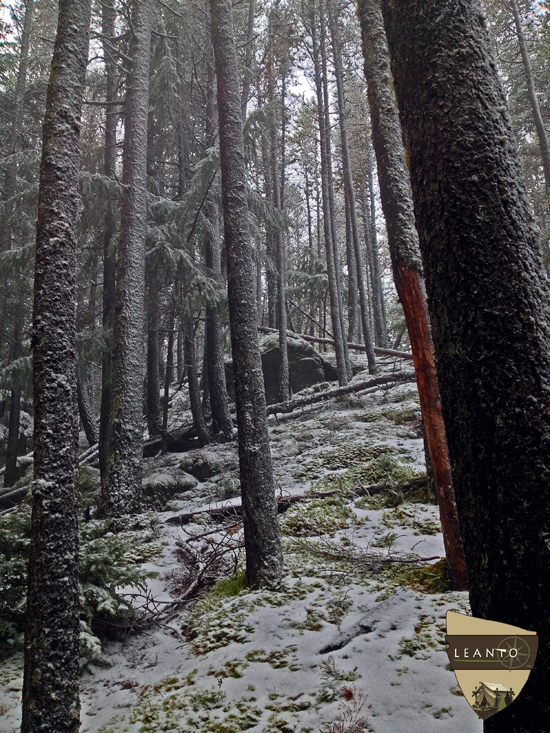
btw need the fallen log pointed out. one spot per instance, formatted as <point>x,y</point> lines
<point>328,394</point>
<point>353,347</point>
<point>359,347</point>
<point>235,510</point>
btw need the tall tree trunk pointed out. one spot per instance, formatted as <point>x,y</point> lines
<point>153,358</point>
<point>407,268</point>
<point>109,232</point>
<point>169,371</point>
<point>16,127</point>
<point>353,301</point>
<point>264,561</point>
<point>14,423</point>
<point>533,99</point>
<point>84,406</point>
<point>50,685</point>
<point>378,306</point>
<point>277,186</point>
<point>488,299</point>
<point>248,57</point>
<point>14,145</point>
<point>222,422</point>
<point>335,303</point>
<point>199,420</point>
<point>122,485</point>
<point>330,182</point>
<point>350,193</point>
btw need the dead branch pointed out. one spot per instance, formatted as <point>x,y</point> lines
<point>284,502</point>
<point>328,394</point>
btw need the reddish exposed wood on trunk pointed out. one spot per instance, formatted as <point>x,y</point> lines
<point>412,294</point>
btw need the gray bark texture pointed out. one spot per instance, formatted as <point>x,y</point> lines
<point>533,99</point>
<point>153,358</point>
<point>109,246</point>
<point>264,561</point>
<point>354,262</point>
<point>122,482</point>
<point>397,204</point>
<point>199,421</point>
<point>488,303</point>
<point>84,406</point>
<point>335,300</point>
<point>222,422</point>
<point>50,686</point>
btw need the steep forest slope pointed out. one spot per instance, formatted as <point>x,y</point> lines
<point>354,640</point>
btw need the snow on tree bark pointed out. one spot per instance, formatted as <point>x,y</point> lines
<point>350,193</point>
<point>122,482</point>
<point>396,197</point>
<point>488,299</point>
<point>340,348</point>
<point>109,250</point>
<point>264,561</point>
<point>50,687</point>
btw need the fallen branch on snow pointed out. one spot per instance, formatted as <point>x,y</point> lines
<point>375,382</point>
<point>235,510</point>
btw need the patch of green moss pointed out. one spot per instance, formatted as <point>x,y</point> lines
<point>317,517</point>
<point>231,586</point>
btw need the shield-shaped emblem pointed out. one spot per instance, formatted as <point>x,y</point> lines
<point>492,661</point>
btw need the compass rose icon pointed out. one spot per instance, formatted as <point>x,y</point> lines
<point>515,652</point>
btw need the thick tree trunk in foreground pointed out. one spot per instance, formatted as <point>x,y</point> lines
<point>264,561</point>
<point>122,483</point>
<point>396,196</point>
<point>50,687</point>
<point>488,304</point>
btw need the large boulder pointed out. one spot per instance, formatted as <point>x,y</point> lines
<point>306,366</point>
<point>204,464</point>
<point>158,488</point>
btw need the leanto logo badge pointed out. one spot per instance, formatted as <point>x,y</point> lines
<point>492,661</point>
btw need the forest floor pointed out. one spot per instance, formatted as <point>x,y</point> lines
<point>354,639</point>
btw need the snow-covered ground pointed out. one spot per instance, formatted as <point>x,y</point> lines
<point>353,638</point>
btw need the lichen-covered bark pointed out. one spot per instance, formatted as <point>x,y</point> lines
<point>153,361</point>
<point>109,244</point>
<point>488,304</point>
<point>349,193</point>
<point>199,420</point>
<point>122,482</point>
<point>335,300</point>
<point>84,406</point>
<point>222,422</point>
<point>396,197</point>
<point>277,184</point>
<point>264,562</point>
<point>50,687</point>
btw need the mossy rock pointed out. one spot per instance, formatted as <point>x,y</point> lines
<point>158,488</point>
<point>203,464</point>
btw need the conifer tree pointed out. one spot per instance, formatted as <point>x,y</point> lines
<point>488,298</point>
<point>50,687</point>
<point>264,562</point>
